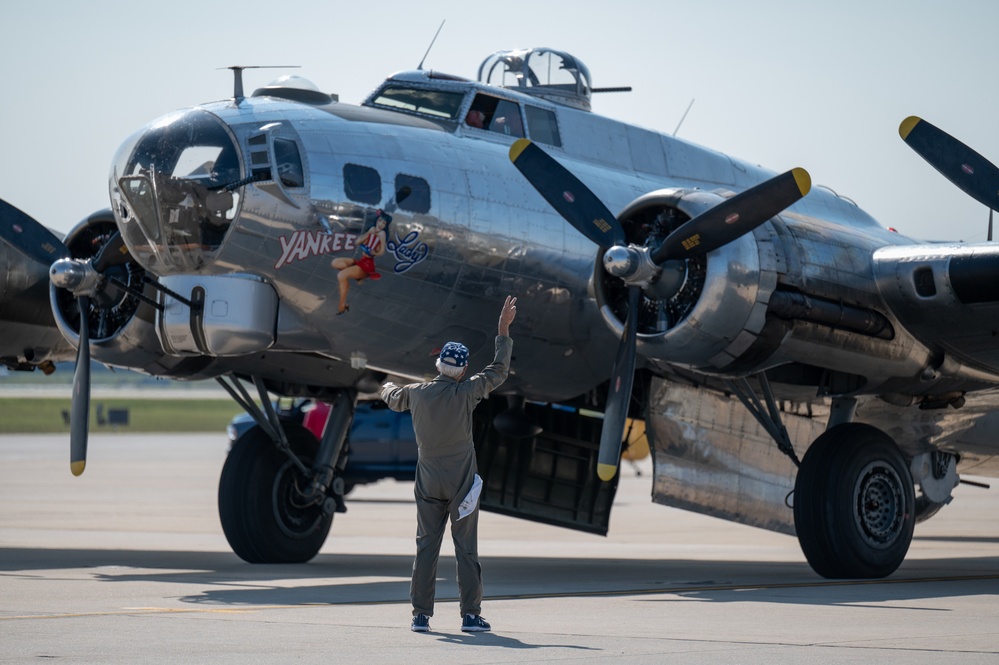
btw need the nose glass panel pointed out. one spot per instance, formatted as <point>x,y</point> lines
<point>174,190</point>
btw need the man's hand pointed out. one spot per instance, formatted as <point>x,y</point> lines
<point>507,316</point>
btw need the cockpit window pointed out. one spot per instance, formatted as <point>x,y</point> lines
<point>496,115</point>
<point>436,103</point>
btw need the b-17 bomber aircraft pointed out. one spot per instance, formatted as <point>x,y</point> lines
<point>797,366</point>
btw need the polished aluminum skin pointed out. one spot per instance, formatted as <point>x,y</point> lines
<point>246,207</point>
<point>239,221</point>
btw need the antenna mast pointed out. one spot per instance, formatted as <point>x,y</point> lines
<point>420,66</point>
<point>684,117</point>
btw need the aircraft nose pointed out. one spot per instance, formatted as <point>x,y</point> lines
<point>174,186</point>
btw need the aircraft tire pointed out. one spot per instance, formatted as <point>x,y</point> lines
<point>256,508</point>
<point>854,505</point>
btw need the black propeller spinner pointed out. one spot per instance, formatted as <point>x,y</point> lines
<point>710,230</point>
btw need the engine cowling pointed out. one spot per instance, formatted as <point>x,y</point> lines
<point>122,326</point>
<point>702,312</point>
<point>926,284</point>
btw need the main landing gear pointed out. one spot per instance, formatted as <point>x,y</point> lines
<point>854,503</point>
<point>280,486</point>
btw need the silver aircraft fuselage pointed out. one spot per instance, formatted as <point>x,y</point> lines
<point>482,233</point>
<point>775,338</point>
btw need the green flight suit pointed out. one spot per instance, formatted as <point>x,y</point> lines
<point>442,419</point>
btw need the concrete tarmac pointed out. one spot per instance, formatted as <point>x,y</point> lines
<point>128,564</point>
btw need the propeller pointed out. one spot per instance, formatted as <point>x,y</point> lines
<point>973,174</point>
<point>734,217</point>
<point>29,237</point>
<point>84,279</point>
<point>564,192</point>
<point>619,394</point>
<point>79,420</point>
<point>113,253</point>
<point>637,265</point>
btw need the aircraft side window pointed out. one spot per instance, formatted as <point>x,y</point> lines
<point>289,163</point>
<point>418,199</point>
<point>542,125</point>
<point>506,119</point>
<point>496,115</point>
<point>362,184</point>
<point>481,112</point>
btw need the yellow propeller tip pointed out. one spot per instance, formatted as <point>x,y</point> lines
<point>606,472</point>
<point>78,467</point>
<point>803,180</point>
<point>519,146</point>
<point>907,126</point>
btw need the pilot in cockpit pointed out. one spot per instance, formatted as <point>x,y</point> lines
<point>476,118</point>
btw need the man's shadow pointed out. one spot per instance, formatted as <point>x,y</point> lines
<point>494,640</point>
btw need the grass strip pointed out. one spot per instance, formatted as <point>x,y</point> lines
<point>45,415</point>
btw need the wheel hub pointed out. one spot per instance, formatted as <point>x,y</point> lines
<point>879,505</point>
<point>295,517</point>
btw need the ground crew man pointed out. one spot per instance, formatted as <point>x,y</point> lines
<point>446,470</point>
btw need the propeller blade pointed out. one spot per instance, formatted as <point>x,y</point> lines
<point>79,421</point>
<point>564,192</point>
<point>113,253</point>
<point>29,237</point>
<point>973,174</point>
<point>619,395</point>
<point>734,217</point>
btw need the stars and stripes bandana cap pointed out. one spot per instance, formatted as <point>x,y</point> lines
<point>454,354</point>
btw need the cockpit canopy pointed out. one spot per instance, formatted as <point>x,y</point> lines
<point>541,72</point>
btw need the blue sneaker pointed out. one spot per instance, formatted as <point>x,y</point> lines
<point>421,624</point>
<point>473,623</point>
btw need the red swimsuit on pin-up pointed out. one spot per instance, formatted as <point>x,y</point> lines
<point>367,262</point>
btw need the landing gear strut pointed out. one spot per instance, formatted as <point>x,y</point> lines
<point>854,503</point>
<point>280,486</point>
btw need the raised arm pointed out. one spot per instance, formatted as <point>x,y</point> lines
<point>507,316</point>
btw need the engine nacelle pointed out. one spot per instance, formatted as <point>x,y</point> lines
<point>702,312</point>
<point>122,327</point>
<point>925,284</point>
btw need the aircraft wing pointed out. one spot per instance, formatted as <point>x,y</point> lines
<point>29,337</point>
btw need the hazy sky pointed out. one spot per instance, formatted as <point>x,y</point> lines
<point>818,85</point>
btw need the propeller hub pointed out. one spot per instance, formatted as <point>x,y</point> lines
<point>620,261</point>
<point>75,275</point>
<point>632,264</point>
